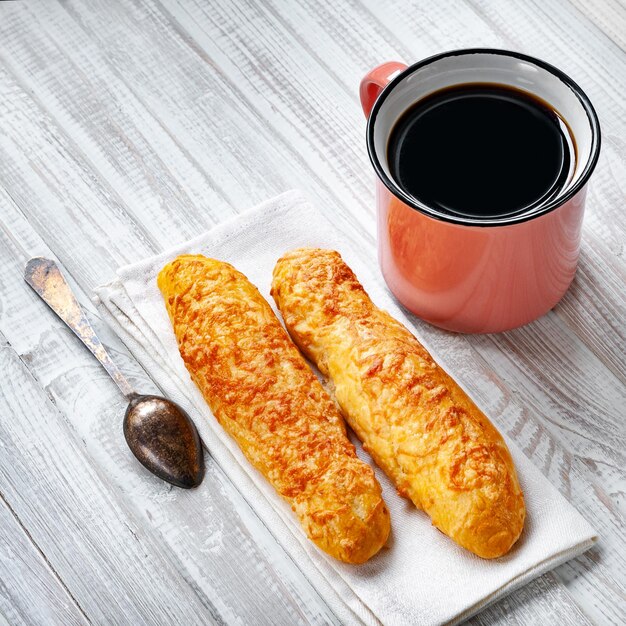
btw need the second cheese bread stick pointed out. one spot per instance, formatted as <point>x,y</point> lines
<point>416,422</point>
<point>264,395</point>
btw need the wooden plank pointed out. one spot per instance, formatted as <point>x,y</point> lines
<point>132,153</point>
<point>609,17</point>
<point>259,156</point>
<point>75,519</point>
<point>548,374</point>
<point>30,590</point>
<point>213,539</point>
<point>210,124</point>
<point>44,175</point>
<point>544,597</point>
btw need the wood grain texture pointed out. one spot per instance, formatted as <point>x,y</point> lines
<point>130,573</point>
<point>128,127</point>
<point>30,591</point>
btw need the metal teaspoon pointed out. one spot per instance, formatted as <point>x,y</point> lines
<point>158,431</point>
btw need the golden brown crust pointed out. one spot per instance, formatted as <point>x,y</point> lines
<point>265,396</point>
<point>420,427</point>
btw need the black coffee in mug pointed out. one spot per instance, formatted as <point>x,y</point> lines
<point>481,151</point>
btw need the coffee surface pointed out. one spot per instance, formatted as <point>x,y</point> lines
<point>481,151</point>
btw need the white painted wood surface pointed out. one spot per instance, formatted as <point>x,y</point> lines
<point>127,127</point>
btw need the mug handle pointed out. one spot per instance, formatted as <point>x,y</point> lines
<point>375,81</point>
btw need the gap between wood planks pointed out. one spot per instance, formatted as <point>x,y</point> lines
<point>35,547</point>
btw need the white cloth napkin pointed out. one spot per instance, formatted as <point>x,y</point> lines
<point>421,577</point>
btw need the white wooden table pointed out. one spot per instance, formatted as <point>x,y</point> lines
<point>129,126</point>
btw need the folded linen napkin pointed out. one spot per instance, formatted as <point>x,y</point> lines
<point>422,577</point>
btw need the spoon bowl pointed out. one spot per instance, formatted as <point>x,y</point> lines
<point>164,439</point>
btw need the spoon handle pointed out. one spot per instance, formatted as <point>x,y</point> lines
<point>44,276</point>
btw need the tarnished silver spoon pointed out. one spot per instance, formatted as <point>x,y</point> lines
<point>158,431</point>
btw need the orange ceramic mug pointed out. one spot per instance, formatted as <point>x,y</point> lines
<point>468,274</point>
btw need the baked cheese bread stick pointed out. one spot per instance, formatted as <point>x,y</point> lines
<point>420,427</point>
<point>265,396</point>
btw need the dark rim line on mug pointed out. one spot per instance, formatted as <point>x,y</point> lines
<point>514,219</point>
